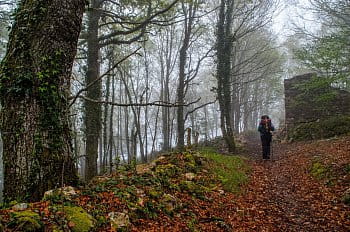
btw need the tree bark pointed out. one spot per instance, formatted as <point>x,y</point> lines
<point>224,48</point>
<point>166,65</point>
<point>34,87</point>
<point>93,110</point>
<point>111,134</point>
<point>180,94</point>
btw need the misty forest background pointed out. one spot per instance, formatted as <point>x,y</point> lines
<point>145,72</point>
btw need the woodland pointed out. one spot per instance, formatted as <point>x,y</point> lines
<point>134,115</point>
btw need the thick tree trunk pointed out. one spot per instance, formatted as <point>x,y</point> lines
<point>35,82</point>
<point>93,110</point>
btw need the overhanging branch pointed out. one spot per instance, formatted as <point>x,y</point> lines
<point>155,103</point>
<point>102,76</point>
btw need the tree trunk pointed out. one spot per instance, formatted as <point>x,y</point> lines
<point>188,26</point>
<point>92,110</point>
<point>105,127</point>
<point>224,48</point>
<point>166,60</point>
<point>35,82</point>
<point>111,140</point>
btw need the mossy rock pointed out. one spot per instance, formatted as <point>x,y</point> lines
<point>83,222</point>
<point>26,221</point>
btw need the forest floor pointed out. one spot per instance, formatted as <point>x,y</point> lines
<point>304,187</point>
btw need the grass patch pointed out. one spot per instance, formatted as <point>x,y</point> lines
<point>231,170</point>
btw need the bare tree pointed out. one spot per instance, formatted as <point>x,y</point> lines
<point>104,15</point>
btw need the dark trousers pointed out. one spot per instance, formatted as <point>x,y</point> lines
<point>266,145</point>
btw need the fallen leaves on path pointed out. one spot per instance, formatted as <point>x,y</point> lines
<point>302,189</point>
<point>283,196</point>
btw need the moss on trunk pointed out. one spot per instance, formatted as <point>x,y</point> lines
<point>34,86</point>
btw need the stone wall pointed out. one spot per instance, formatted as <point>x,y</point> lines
<point>303,107</point>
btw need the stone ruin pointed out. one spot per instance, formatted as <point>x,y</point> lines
<point>301,107</point>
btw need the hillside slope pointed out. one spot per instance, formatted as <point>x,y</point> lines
<point>177,192</point>
<point>305,187</point>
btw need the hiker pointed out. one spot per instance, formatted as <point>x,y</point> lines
<point>265,128</point>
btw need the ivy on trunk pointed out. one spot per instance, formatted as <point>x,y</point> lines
<point>34,84</point>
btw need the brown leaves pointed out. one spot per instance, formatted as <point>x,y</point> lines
<point>282,195</point>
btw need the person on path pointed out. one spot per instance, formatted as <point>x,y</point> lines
<point>265,128</point>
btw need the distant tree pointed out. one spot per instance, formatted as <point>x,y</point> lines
<point>190,11</point>
<point>236,20</point>
<point>34,86</point>
<point>110,23</point>
<point>6,8</point>
<point>326,52</point>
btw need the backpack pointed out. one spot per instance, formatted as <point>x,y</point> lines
<point>266,126</point>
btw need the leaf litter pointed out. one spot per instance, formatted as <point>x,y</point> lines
<point>306,187</point>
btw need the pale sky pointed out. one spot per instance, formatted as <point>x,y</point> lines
<point>290,13</point>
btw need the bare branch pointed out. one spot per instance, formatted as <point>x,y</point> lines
<point>102,76</point>
<point>199,107</point>
<point>137,28</point>
<point>155,103</point>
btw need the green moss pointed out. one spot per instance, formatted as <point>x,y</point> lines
<point>83,221</point>
<point>25,221</point>
<point>322,172</point>
<point>189,158</point>
<point>192,225</point>
<point>12,203</point>
<point>194,188</point>
<point>154,193</point>
<point>324,128</point>
<point>187,186</point>
<point>56,229</point>
<point>231,170</point>
<point>168,170</point>
<point>318,170</point>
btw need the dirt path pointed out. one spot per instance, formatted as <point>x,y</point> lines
<point>282,195</point>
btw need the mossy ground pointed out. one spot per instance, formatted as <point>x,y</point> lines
<point>25,221</point>
<point>323,128</point>
<point>172,186</point>
<point>230,169</point>
<point>80,220</point>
